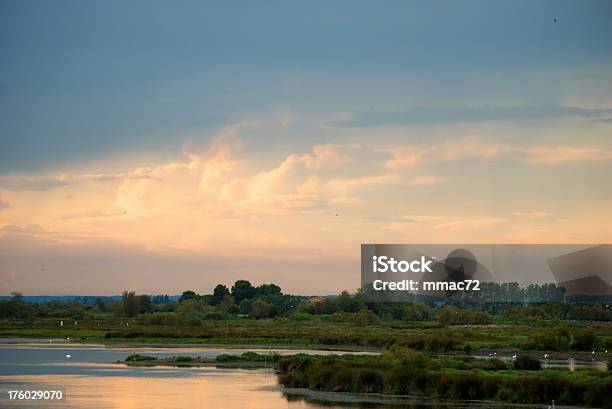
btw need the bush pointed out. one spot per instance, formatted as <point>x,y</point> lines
<point>450,315</point>
<point>183,359</point>
<point>227,358</point>
<point>584,340</point>
<point>160,318</point>
<point>300,316</point>
<point>138,357</point>
<point>380,375</point>
<point>397,355</point>
<point>418,312</point>
<point>528,363</point>
<point>247,356</point>
<point>496,365</point>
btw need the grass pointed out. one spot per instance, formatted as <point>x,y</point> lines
<point>291,333</point>
<point>52,333</point>
<point>404,372</point>
<point>138,357</point>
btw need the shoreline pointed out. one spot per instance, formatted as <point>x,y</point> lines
<point>404,400</point>
<point>97,342</point>
<point>485,353</point>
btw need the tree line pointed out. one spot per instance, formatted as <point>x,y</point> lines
<point>244,300</point>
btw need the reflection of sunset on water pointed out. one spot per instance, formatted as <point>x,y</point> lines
<point>224,389</point>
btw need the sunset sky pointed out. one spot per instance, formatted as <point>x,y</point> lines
<point>162,146</point>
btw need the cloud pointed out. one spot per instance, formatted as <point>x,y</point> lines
<point>215,184</point>
<point>444,222</point>
<point>346,185</point>
<point>93,214</point>
<point>16,182</point>
<point>532,215</point>
<point>426,180</point>
<point>4,205</point>
<point>465,148</point>
<point>414,156</point>
<point>429,115</point>
<point>20,182</point>
<point>25,230</point>
<point>564,154</point>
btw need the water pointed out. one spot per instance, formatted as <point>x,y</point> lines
<point>92,378</point>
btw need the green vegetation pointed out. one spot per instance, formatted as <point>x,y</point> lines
<point>497,304</point>
<point>411,334</point>
<point>248,357</point>
<point>528,363</point>
<point>138,357</point>
<point>248,315</point>
<point>245,360</point>
<point>400,371</point>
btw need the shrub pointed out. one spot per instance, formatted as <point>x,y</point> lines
<point>300,316</point>
<point>496,365</point>
<point>227,358</point>
<point>418,312</point>
<point>370,381</point>
<point>138,357</point>
<point>584,340</point>
<point>528,363</point>
<point>397,355</point>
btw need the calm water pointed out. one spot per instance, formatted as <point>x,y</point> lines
<point>90,378</point>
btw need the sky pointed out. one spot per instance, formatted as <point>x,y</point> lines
<point>162,146</point>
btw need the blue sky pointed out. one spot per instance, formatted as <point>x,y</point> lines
<point>220,139</point>
<point>84,79</point>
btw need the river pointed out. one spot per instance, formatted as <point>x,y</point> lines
<point>89,377</point>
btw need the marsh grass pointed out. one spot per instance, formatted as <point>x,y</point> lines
<point>404,372</point>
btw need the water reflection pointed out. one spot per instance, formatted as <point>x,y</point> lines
<point>91,378</point>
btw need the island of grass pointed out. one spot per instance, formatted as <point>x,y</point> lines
<point>245,360</point>
<point>403,372</point>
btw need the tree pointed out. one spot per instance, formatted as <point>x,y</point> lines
<point>227,304</point>
<point>130,303</point>
<point>260,309</point>
<point>268,289</point>
<point>187,295</point>
<point>219,294</point>
<point>145,304</point>
<point>418,312</point>
<point>526,362</point>
<point>348,303</point>
<point>99,304</point>
<point>585,339</point>
<point>242,290</point>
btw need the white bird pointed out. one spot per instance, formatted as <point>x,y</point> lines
<point>68,356</point>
